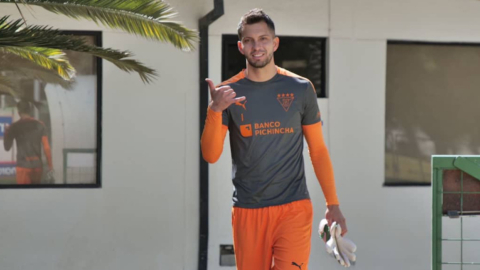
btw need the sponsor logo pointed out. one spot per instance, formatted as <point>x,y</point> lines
<point>285,100</point>
<point>299,266</point>
<point>271,128</point>
<point>265,128</point>
<point>239,103</point>
<point>246,130</point>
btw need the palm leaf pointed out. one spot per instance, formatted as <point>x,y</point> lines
<point>45,76</point>
<point>6,86</point>
<point>11,34</point>
<point>118,58</point>
<point>22,68</point>
<point>147,18</point>
<point>14,34</point>
<point>51,59</point>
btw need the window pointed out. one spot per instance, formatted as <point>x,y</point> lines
<point>432,94</point>
<point>304,56</point>
<point>67,115</point>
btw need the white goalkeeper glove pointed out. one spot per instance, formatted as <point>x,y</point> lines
<point>50,177</point>
<point>341,248</point>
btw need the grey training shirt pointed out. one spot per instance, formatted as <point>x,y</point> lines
<point>266,138</point>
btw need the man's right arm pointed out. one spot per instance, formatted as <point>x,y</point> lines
<point>214,132</point>
<point>213,136</point>
<point>8,139</point>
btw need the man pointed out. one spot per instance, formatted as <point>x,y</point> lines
<point>272,212</point>
<point>29,135</point>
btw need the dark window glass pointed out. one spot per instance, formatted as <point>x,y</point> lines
<point>432,94</point>
<point>304,56</point>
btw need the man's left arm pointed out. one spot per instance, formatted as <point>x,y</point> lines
<point>323,168</point>
<point>312,129</point>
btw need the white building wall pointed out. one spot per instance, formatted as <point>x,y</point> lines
<point>145,216</point>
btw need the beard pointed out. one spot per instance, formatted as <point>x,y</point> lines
<point>260,64</point>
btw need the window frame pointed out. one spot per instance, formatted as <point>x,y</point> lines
<point>98,37</point>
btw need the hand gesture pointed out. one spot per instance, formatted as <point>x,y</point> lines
<point>222,97</point>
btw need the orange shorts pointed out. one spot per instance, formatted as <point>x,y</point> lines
<point>27,176</point>
<point>275,237</point>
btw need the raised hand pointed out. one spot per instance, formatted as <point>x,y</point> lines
<point>222,97</point>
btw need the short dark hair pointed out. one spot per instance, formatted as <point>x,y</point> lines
<point>254,16</point>
<point>24,107</point>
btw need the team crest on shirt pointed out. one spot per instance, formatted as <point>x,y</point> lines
<point>285,100</point>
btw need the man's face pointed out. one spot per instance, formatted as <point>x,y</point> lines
<point>258,44</point>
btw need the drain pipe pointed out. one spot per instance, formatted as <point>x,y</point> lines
<point>204,23</point>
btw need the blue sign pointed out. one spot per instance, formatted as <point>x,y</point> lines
<point>5,121</point>
<point>7,169</point>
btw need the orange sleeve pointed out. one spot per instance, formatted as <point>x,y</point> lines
<point>321,161</point>
<point>213,136</point>
<point>48,152</point>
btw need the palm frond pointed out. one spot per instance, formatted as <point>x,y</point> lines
<point>6,86</point>
<point>147,18</point>
<point>51,59</point>
<point>119,59</point>
<point>29,8</point>
<point>12,34</point>
<point>13,66</point>
<point>44,76</point>
<point>36,73</point>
